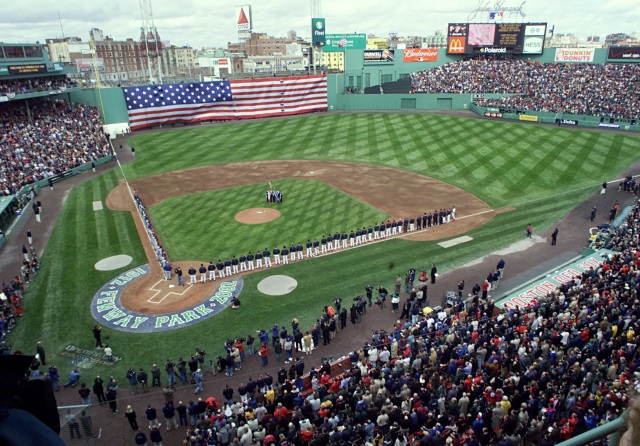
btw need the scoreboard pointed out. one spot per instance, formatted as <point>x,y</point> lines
<point>496,38</point>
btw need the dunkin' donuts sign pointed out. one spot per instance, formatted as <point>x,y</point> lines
<point>420,55</point>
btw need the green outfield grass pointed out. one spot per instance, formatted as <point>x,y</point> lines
<point>542,172</point>
<point>309,206</point>
<point>502,163</point>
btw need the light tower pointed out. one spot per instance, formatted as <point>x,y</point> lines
<point>152,44</point>
<point>315,8</point>
<point>315,13</point>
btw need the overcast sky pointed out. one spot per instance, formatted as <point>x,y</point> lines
<point>212,22</point>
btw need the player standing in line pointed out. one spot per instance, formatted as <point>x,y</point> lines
<point>212,271</point>
<point>267,258</point>
<point>203,273</point>
<point>192,275</point>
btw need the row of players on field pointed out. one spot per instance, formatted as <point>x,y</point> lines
<point>295,252</point>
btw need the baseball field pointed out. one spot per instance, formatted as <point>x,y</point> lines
<point>337,172</point>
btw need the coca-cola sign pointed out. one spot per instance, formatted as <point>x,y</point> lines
<point>420,55</point>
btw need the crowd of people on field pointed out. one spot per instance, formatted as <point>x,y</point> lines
<point>295,252</point>
<point>608,90</point>
<point>33,85</point>
<point>161,255</point>
<point>52,137</point>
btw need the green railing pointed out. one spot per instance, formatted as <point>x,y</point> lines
<point>614,429</point>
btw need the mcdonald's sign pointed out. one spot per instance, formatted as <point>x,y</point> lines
<point>457,45</point>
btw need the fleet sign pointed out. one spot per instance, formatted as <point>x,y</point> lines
<point>317,32</point>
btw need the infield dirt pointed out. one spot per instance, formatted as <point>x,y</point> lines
<point>395,192</point>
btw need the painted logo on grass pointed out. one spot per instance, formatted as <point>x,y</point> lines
<point>107,309</point>
<point>87,359</point>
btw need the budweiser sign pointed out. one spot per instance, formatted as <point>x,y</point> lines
<point>420,55</point>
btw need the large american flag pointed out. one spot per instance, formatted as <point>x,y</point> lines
<point>152,105</point>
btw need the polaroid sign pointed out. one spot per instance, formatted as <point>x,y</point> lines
<point>318,33</point>
<point>493,50</point>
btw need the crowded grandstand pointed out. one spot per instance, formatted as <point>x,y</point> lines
<point>609,90</point>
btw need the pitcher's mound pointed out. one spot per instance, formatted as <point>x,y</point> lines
<point>256,216</point>
<point>277,285</point>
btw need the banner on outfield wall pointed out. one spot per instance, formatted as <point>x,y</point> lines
<point>566,121</point>
<point>420,55</point>
<point>575,54</point>
<point>528,296</point>
<point>531,118</point>
<point>624,53</point>
<point>492,114</point>
<point>608,125</point>
<point>379,56</point>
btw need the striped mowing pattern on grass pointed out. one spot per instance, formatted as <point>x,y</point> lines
<point>202,226</point>
<point>500,162</point>
<point>547,169</point>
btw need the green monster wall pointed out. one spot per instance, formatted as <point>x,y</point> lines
<point>359,75</point>
<point>110,101</point>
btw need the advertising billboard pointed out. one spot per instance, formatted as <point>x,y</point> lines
<point>244,21</point>
<point>379,56</point>
<point>27,69</point>
<point>86,65</point>
<point>575,54</point>
<point>317,32</point>
<point>420,55</point>
<point>351,42</point>
<point>624,53</point>
<point>496,38</point>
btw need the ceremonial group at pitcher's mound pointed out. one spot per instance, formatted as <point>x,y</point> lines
<point>395,196</point>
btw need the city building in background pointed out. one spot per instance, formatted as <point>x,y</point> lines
<point>178,61</point>
<point>124,60</point>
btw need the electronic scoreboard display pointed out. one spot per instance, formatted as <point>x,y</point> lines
<point>496,38</point>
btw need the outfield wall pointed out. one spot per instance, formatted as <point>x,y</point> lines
<point>561,119</point>
<point>110,102</point>
<point>359,75</point>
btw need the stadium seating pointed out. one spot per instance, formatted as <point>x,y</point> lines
<point>609,90</point>
<point>54,138</point>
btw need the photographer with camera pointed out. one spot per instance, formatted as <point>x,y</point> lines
<point>169,367</point>
<point>182,370</point>
<point>179,273</point>
<point>369,294</point>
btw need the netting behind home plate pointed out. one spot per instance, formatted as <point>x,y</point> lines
<point>80,424</point>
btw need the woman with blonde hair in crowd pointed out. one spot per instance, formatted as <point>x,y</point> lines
<point>631,436</point>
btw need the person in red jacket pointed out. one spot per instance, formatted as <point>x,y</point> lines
<point>264,350</point>
<point>282,412</point>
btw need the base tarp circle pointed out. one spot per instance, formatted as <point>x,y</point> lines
<point>277,285</point>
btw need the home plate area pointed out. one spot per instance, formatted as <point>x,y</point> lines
<point>152,314</point>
